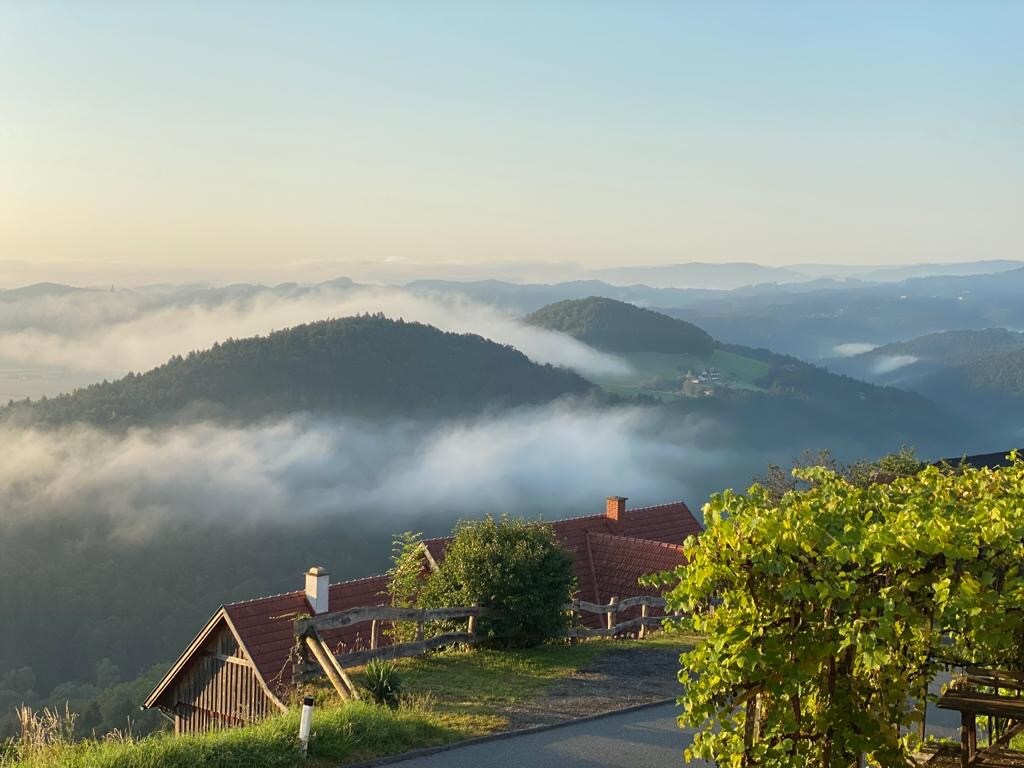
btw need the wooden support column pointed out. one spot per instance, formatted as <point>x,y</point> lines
<point>973,736</point>
<point>965,740</point>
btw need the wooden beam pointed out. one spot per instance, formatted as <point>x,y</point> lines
<point>582,606</point>
<point>328,668</point>
<point>228,659</point>
<point>353,616</point>
<point>405,650</point>
<point>431,562</point>
<point>340,670</point>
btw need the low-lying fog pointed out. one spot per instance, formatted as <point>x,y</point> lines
<point>54,343</point>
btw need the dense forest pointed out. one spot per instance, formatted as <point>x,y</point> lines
<point>999,374</point>
<point>370,365</point>
<point>620,327</point>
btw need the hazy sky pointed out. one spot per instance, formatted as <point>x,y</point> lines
<point>252,135</point>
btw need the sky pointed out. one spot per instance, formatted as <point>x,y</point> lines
<point>289,138</point>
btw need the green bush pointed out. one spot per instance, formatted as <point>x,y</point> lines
<point>514,567</point>
<point>382,682</point>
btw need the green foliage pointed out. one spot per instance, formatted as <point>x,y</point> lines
<point>514,567</point>
<point>406,580</point>
<point>369,365</point>
<point>831,607</point>
<point>382,681</point>
<point>778,482</point>
<point>621,327</point>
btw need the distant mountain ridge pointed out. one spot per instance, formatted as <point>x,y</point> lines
<point>368,365</point>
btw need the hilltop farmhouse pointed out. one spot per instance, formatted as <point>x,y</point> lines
<point>241,666</point>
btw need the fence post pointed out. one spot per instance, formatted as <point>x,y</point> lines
<point>471,629</point>
<point>374,632</point>
<point>643,621</point>
<point>611,613</point>
<point>306,723</point>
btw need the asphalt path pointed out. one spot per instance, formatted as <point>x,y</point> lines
<point>646,737</point>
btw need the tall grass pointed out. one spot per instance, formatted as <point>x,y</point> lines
<point>352,731</point>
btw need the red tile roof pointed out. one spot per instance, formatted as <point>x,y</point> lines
<point>264,625</point>
<point>620,561</point>
<point>609,557</point>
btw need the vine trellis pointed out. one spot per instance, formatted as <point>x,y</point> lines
<point>826,614</point>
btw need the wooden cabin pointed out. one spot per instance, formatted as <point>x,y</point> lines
<point>214,683</point>
<point>243,665</point>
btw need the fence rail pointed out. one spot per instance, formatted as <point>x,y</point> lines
<point>307,632</point>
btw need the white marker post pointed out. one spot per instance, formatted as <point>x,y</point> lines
<point>306,723</point>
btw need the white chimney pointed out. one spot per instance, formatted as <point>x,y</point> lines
<point>318,585</point>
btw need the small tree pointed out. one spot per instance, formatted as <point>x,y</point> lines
<point>514,567</point>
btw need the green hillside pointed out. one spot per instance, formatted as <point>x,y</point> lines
<point>369,365</point>
<point>671,359</point>
<point>1001,373</point>
<point>616,326</point>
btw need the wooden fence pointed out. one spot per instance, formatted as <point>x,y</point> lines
<point>612,609</point>
<point>307,632</point>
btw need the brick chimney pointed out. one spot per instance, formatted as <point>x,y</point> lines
<point>615,507</point>
<point>318,585</point>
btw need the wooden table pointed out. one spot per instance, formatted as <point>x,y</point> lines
<point>970,704</point>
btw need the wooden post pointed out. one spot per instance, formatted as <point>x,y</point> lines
<point>965,740</point>
<point>973,736</point>
<point>643,621</point>
<point>611,613</point>
<point>353,691</point>
<point>374,632</point>
<point>471,628</point>
<point>327,667</point>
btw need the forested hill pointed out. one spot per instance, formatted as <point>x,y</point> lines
<point>620,327</point>
<point>1000,373</point>
<point>370,365</point>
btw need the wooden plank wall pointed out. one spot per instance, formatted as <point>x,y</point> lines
<point>219,689</point>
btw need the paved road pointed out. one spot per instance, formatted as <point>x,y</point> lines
<point>647,737</point>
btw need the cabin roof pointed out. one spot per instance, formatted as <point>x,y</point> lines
<point>608,558</point>
<point>980,460</point>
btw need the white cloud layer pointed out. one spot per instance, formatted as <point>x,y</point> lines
<point>890,363</point>
<point>555,458</point>
<point>111,334</point>
<point>853,348</point>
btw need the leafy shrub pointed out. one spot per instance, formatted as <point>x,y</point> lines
<point>514,567</point>
<point>382,682</point>
<point>825,612</point>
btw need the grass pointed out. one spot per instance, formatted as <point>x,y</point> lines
<point>341,734</point>
<point>449,696</point>
<point>737,371</point>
